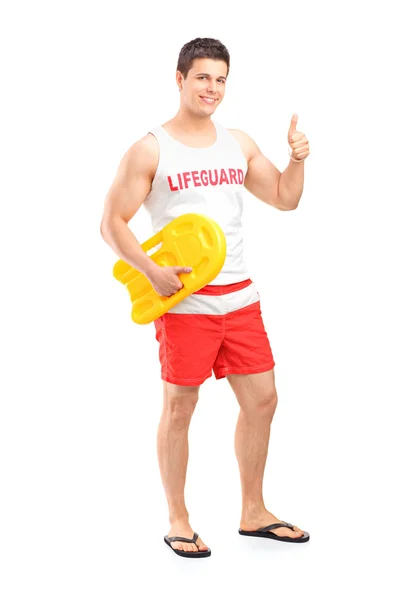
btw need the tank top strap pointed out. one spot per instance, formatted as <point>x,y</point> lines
<point>159,133</point>
<point>220,130</point>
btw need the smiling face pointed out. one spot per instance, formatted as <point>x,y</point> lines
<point>204,87</point>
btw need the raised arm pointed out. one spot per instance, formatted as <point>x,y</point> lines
<point>265,181</point>
<point>262,178</point>
<point>128,191</point>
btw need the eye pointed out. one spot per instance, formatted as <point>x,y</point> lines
<point>203,77</point>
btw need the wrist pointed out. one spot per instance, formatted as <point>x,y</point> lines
<point>151,269</point>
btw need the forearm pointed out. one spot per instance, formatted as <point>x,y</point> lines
<point>121,239</point>
<point>290,187</point>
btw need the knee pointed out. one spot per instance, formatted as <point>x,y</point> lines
<point>179,407</point>
<point>265,405</point>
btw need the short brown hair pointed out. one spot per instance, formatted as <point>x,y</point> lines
<point>201,48</point>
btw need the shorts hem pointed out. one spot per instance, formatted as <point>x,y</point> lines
<point>244,370</point>
<point>179,381</point>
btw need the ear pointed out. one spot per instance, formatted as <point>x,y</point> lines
<point>179,78</point>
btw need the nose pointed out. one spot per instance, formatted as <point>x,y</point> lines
<point>212,87</point>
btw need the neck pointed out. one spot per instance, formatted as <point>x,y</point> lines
<point>190,123</point>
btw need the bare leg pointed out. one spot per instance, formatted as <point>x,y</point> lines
<point>173,453</point>
<point>257,398</point>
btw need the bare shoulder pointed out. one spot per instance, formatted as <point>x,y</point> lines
<point>248,145</point>
<point>133,180</point>
<point>142,157</point>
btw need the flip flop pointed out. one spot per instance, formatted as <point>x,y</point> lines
<point>267,533</point>
<point>198,554</point>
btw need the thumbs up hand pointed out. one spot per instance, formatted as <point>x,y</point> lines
<point>297,141</point>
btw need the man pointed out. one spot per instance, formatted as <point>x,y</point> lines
<point>192,164</point>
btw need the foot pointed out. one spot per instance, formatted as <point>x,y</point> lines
<point>183,529</point>
<point>253,521</point>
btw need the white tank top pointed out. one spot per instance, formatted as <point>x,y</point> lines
<point>207,181</point>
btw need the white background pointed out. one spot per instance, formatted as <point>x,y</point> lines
<point>82,508</point>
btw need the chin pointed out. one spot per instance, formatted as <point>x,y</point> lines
<point>210,109</point>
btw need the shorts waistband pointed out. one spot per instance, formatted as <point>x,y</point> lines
<point>219,290</point>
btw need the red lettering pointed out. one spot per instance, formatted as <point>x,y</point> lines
<point>232,175</point>
<point>224,178</point>
<point>186,178</point>
<point>203,177</point>
<point>171,187</point>
<point>195,177</point>
<point>216,177</point>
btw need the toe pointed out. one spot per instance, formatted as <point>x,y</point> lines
<point>286,532</point>
<point>294,534</point>
<point>177,545</point>
<point>201,545</point>
<point>291,533</point>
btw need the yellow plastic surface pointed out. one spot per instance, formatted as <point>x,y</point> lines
<point>191,240</point>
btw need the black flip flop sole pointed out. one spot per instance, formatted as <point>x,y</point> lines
<point>198,554</point>
<point>272,536</point>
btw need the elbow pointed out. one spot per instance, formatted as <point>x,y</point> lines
<point>282,206</point>
<point>102,230</point>
<point>105,229</point>
<point>109,225</point>
<point>288,207</point>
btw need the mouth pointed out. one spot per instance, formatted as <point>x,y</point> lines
<point>208,100</point>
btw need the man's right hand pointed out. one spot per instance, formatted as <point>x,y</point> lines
<point>165,280</point>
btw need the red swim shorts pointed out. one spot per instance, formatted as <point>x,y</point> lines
<point>220,329</point>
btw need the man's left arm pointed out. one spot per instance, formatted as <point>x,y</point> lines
<point>265,181</point>
<point>291,181</point>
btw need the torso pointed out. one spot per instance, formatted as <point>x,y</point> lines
<point>202,174</point>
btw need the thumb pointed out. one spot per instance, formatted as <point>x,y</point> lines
<point>293,124</point>
<point>182,270</point>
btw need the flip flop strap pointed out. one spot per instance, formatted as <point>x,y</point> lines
<point>275,526</point>
<point>182,539</point>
